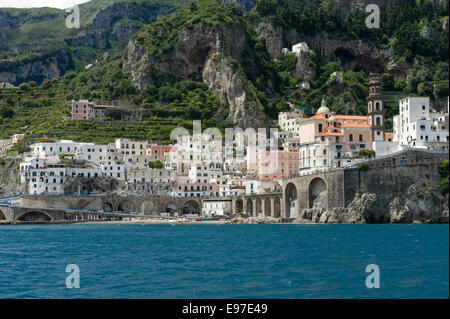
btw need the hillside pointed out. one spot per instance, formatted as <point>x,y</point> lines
<point>213,62</point>
<point>29,36</point>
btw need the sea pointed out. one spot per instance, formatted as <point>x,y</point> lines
<point>224,261</point>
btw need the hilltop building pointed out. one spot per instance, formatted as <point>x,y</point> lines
<point>300,47</point>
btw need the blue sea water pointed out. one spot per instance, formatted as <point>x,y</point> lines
<point>224,261</point>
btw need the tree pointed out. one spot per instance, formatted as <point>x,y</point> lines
<point>400,85</point>
<point>156,164</point>
<point>424,89</point>
<point>6,112</point>
<point>440,90</point>
<point>387,81</point>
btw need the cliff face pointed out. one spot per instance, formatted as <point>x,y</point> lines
<point>188,56</point>
<point>36,68</point>
<point>416,206</point>
<point>352,54</point>
<point>211,52</point>
<point>245,110</point>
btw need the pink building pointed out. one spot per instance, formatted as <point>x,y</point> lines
<point>277,164</point>
<point>81,110</point>
<point>159,152</point>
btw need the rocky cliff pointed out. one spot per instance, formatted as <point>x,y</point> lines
<point>352,54</point>
<point>36,67</point>
<point>419,204</point>
<point>210,50</point>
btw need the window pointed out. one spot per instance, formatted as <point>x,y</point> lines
<point>360,137</point>
<point>350,137</point>
<point>424,107</point>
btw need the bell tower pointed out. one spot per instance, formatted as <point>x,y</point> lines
<point>375,108</point>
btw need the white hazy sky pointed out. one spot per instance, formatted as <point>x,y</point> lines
<point>61,4</point>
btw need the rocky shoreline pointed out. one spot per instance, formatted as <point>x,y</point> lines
<point>419,205</point>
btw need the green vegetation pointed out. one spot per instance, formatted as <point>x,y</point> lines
<point>156,164</point>
<point>426,191</point>
<point>366,153</point>
<point>363,167</point>
<point>160,37</point>
<point>443,172</point>
<point>19,147</point>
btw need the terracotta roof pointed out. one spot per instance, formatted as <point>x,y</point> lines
<point>330,134</point>
<point>355,125</point>
<point>315,117</point>
<point>352,117</point>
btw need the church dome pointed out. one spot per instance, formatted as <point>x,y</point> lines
<point>323,108</point>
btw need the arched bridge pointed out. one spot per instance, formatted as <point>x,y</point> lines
<point>258,204</point>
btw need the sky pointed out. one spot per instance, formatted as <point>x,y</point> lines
<point>60,4</point>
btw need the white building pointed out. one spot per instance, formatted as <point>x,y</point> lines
<point>204,173</point>
<point>300,47</point>
<point>6,85</point>
<point>217,207</point>
<point>416,126</point>
<point>51,148</point>
<point>50,178</point>
<point>155,181</point>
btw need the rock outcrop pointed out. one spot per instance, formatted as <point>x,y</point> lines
<point>201,52</point>
<point>421,205</point>
<point>77,185</point>
<point>418,205</point>
<point>244,109</point>
<point>36,68</point>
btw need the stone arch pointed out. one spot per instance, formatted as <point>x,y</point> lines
<point>267,207</point>
<point>191,207</point>
<point>147,207</point>
<point>277,207</point>
<point>239,206</point>
<point>318,190</point>
<point>108,207</point>
<point>258,206</point>
<point>34,216</point>
<point>291,200</point>
<point>126,206</point>
<point>249,207</point>
<point>2,215</point>
<point>170,208</point>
